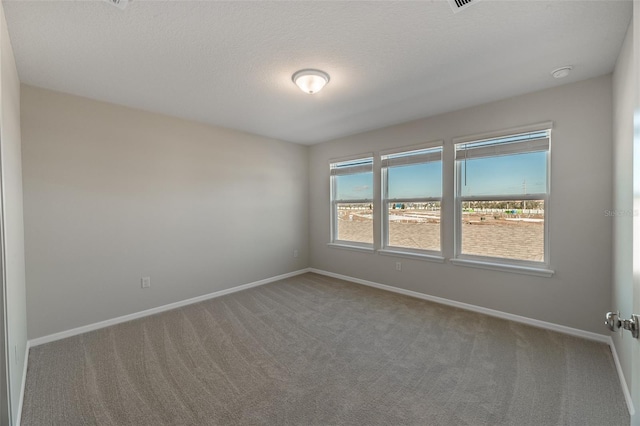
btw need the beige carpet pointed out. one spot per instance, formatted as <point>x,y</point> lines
<point>313,350</point>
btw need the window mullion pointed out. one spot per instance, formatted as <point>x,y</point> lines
<point>503,197</point>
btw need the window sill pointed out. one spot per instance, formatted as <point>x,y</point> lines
<point>365,249</point>
<point>526,270</point>
<point>410,255</point>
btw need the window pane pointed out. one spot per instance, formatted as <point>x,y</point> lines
<point>504,175</point>
<point>355,222</point>
<point>415,225</point>
<point>357,186</point>
<point>507,229</point>
<point>415,180</point>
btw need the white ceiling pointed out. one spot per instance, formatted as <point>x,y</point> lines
<point>230,63</point>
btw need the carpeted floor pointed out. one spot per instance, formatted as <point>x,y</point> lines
<point>312,350</point>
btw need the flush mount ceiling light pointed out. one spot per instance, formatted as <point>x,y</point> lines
<point>120,4</point>
<point>561,72</point>
<point>310,81</point>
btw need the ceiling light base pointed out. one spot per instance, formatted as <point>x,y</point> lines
<point>310,80</point>
<point>562,72</point>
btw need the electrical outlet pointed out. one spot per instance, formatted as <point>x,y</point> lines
<point>295,253</point>
<point>146,282</point>
<point>398,266</point>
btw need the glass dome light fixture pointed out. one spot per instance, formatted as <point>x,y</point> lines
<point>562,72</point>
<point>310,81</point>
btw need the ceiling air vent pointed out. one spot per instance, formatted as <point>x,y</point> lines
<point>458,5</point>
<point>120,4</point>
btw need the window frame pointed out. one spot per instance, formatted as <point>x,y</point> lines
<point>541,268</point>
<point>386,248</point>
<point>333,237</point>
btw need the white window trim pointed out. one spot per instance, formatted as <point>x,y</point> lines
<point>352,245</point>
<point>504,267</point>
<point>498,263</point>
<point>538,127</point>
<point>411,254</point>
<point>426,145</point>
<point>333,241</point>
<point>354,157</point>
<point>433,255</point>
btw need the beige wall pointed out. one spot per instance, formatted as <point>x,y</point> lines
<point>112,194</point>
<point>580,234</point>
<point>12,219</point>
<point>622,253</point>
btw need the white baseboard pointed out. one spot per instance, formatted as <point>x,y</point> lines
<point>623,381</point>
<point>152,311</point>
<point>491,312</point>
<point>504,315</point>
<point>24,382</point>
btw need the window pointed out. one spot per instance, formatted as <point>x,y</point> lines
<point>502,199</point>
<point>412,194</point>
<point>352,202</point>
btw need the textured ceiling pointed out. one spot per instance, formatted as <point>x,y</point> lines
<point>230,63</point>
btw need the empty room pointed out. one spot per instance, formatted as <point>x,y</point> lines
<point>320,212</point>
